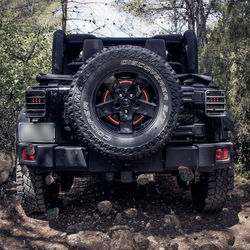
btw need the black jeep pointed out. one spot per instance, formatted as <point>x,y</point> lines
<point>119,108</point>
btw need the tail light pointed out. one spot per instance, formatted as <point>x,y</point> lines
<point>35,103</point>
<point>215,103</point>
<point>28,157</point>
<point>222,154</point>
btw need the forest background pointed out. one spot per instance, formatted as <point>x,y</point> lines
<point>222,28</point>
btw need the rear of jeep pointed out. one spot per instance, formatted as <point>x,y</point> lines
<point>121,107</point>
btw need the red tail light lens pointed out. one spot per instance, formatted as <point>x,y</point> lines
<point>28,157</point>
<point>222,154</point>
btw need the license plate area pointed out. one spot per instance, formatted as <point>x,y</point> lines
<point>36,132</point>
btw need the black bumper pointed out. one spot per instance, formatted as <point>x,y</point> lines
<point>201,157</point>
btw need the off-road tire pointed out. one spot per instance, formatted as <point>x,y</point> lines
<point>82,84</point>
<point>211,192</point>
<point>31,187</point>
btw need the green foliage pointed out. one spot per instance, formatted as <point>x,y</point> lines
<point>25,50</point>
<point>174,16</point>
<point>227,58</point>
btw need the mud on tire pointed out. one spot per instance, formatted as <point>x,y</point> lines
<point>210,193</point>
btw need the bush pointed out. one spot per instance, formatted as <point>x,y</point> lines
<point>227,58</point>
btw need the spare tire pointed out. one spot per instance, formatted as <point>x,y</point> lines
<point>124,102</point>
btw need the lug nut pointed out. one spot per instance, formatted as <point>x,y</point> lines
<point>131,95</point>
<point>120,95</point>
<point>125,111</point>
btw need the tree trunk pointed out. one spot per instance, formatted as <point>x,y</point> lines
<point>64,4</point>
<point>197,19</point>
<point>175,18</point>
<point>190,14</point>
<point>201,24</point>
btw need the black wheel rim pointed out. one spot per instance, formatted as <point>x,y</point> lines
<point>126,102</point>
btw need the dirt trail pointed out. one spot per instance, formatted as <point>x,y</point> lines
<point>164,219</point>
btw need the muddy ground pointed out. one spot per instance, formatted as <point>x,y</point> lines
<point>163,218</point>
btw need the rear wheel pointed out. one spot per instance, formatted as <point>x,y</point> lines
<point>210,193</point>
<point>35,194</point>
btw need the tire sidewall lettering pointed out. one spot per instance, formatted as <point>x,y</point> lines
<point>151,71</point>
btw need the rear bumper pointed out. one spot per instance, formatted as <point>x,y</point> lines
<point>200,157</point>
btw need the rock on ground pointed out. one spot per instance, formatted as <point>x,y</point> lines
<point>208,246</point>
<point>6,165</point>
<point>174,246</point>
<point>122,239</point>
<point>118,227</point>
<point>52,213</point>
<point>153,242</point>
<point>118,218</point>
<point>130,213</point>
<point>140,242</point>
<point>171,222</point>
<point>104,207</point>
<point>75,228</point>
<point>89,240</point>
<point>231,240</point>
<point>157,206</point>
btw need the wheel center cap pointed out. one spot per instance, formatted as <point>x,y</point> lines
<point>126,103</point>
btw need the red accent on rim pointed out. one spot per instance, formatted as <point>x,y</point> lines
<point>125,81</point>
<point>138,120</point>
<point>105,96</point>
<point>146,96</point>
<point>117,122</point>
<point>113,120</point>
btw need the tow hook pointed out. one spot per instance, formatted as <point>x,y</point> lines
<point>185,173</point>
